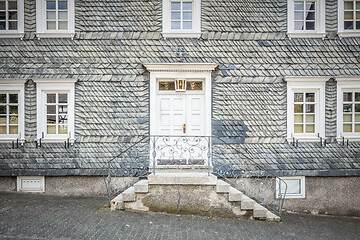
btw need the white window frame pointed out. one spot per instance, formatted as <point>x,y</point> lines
<point>44,86</point>
<point>19,33</point>
<point>288,196</point>
<point>30,178</point>
<point>317,85</point>
<point>351,83</point>
<point>341,31</point>
<point>41,31</point>
<point>15,85</point>
<point>195,32</point>
<point>319,31</point>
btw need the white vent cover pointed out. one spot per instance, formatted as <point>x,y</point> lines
<point>31,184</point>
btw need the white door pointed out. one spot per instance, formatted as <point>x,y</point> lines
<point>181,126</point>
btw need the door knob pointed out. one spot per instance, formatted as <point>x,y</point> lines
<point>184,128</point>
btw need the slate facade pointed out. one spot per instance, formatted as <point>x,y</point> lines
<point>113,39</point>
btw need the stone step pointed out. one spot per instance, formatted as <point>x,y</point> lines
<point>117,203</point>
<point>271,217</point>
<point>182,179</point>
<point>247,203</point>
<point>259,212</point>
<point>141,186</point>
<point>222,187</point>
<point>182,169</point>
<point>235,195</point>
<point>128,195</point>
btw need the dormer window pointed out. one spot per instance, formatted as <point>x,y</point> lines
<point>181,18</point>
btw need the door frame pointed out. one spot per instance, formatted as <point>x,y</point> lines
<point>183,71</point>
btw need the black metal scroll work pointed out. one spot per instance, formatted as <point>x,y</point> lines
<point>254,178</point>
<point>180,152</point>
<point>132,161</point>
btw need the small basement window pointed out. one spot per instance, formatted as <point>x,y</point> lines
<point>31,184</point>
<point>291,187</point>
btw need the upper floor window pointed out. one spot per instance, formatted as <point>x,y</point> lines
<point>12,109</point>
<point>55,109</point>
<point>348,107</point>
<point>11,18</point>
<point>55,18</point>
<point>305,107</point>
<point>306,18</point>
<point>349,18</point>
<point>181,18</point>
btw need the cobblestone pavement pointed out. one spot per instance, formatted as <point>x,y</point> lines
<point>35,216</point>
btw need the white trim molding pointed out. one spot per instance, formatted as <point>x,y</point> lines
<point>341,31</point>
<point>19,33</point>
<point>16,86</point>
<point>180,67</point>
<point>42,32</point>
<point>318,32</point>
<point>315,85</point>
<point>290,181</point>
<point>350,84</point>
<point>194,32</point>
<point>58,86</point>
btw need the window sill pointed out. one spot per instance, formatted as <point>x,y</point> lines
<point>12,35</point>
<point>349,34</point>
<point>55,35</point>
<point>10,140</point>
<point>306,35</point>
<point>303,139</point>
<point>181,35</point>
<point>55,140</point>
<point>350,138</point>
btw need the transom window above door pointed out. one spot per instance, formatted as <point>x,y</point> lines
<point>181,85</point>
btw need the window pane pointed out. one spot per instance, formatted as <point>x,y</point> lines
<point>13,119</point>
<point>51,5</point>
<point>3,120</point>
<point>63,129</point>
<point>299,15</point>
<point>51,119</point>
<point>2,109</point>
<point>63,25</point>
<point>310,108</point>
<point>298,128</point>
<point>187,15</point>
<point>13,25</point>
<point>63,98</point>
<point>310,5</point>
<point>63,15</point>
<point>175,6</point>
<point>357,117</point>
<point>310,16</point>
<point>358,5</point>
<point>357,107</point>
<point>299,6</point>
<point>13,129</point>
<point>347,118</point>
<point>12,5</point>
<point>187,25</point>
<point>310,118</point>
<point>51,25</point>
<point>347,96</point>
<point>166,86</point>
<point>348,25</point>
<point>347,127</point>
<point>310,128</point>
<point>194,85</point>
<point>63,119</point>
<point>357,24</point>
<point>3,130</point>
<point>175,25</point>
<point>13,109</point>
<point>51,109</point>
<point>310,97</point>
<point>2,5</point>
<point>292,186</point>
<point>348,5</point>
<point>299,26</point>
<point>348,15</point>
<point>2,98</point>
<point>298,108</point>
<point>51,98</point>
<point>13,98</point>
<point>51,129</point>
<point>2,25</point>
<point>175,16</point>
<point>2,16</point>
<point>310,25</point>
<point>357,127</point>
<point>187,6</point>
<point>50,15</point>
<point>63,109</point>
<point>298,97</point>
<point>357,97</point>
<point>358,15</point>
<point>347,107</point>
<point>298,118</point>
<point>62,5</point>
<point>12,15</point>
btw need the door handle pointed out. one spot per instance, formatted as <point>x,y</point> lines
<point>184,128</point>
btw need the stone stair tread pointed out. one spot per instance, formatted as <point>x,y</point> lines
<point>222,187</point>
<point>235,195</point>
<point>142,186</point>
<point>129,195</point>
<point>271,217</point>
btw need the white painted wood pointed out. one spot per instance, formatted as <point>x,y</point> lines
<point>341,31</point>
<point>19,33</point>
<point>31,184</point>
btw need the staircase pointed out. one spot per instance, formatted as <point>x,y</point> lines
<point>193,194</point>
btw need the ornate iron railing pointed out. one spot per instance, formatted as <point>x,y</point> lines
<point>190,153</point>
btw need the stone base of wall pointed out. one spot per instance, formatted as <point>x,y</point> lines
<point>72,185</point>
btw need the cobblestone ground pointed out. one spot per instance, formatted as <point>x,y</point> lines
<point>35,216</point>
